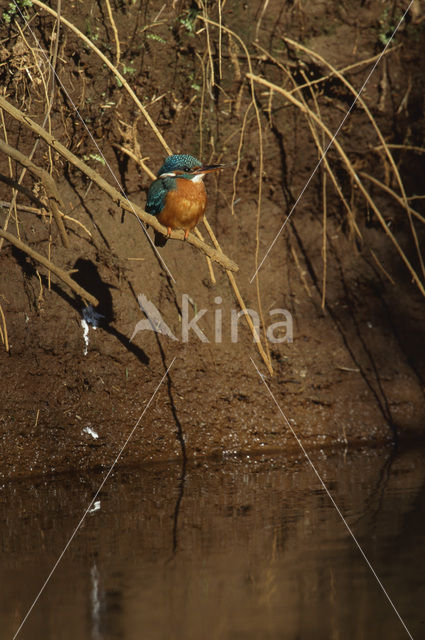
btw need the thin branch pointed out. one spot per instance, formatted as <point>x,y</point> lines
<point>48,183</point>
<point>60,273</point>
<point>115,30</point>
<point>41,211</point>
<point>241,302</point>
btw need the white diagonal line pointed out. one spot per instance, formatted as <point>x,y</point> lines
<point>94,141</point>
<point>331,141</point>
<point>332,499</point>
<point>92,502</point>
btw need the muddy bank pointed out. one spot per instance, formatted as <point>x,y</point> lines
<point>355,370</point>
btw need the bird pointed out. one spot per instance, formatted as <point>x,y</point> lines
<point>178,197</point>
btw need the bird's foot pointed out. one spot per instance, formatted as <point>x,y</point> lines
<point>168,231</point>
<point>186,233</point>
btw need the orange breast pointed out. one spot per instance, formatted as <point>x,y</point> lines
<point>184,206</point>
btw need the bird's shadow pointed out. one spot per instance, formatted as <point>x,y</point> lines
<point>87,276</point>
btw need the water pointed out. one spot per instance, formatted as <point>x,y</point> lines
<point>234,549</point>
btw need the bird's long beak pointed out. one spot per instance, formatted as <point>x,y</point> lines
<point>213,167</point>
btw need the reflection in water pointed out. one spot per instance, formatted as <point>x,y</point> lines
<point>241,548</point>
<point>95,602</point>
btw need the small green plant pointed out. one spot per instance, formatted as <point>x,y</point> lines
<point>188,21</point>
<point>127,69</point>
<point>95,156</point>
<point>154,36</point>
<point>387,25</point>
<point>16,7</point>
<point>93,35</point>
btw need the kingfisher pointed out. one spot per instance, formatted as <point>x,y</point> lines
<point>178,197</point>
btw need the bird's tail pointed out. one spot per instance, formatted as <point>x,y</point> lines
<point>159,239</point>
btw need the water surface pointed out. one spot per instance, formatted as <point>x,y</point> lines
<point>236,549</point>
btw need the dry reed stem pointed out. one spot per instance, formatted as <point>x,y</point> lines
<point>207,31</point>
<point>114,70</point>
<point>377,130</point>
<point>60,273</point>
<point>381,266</point>
<point>263,11</point>
<point>116,196</point>
<point>393,194</point>
<point>48,183</point>
<point>239,156</point>
<point>201,111</point>
<point>138,160</point>
<point>351,171</point>
<point>241,302</point>
<point>350,67</point>
<point>3,332</point>
<point>324,243</point>
<point>12,206</point>
<point>46,117</point>
<point>220,22</point>
<point>42,213</point>
<point>301,272</point>
<point>209,263</point>
<point>260,180</point>
<point>320,148</point>
<point>115,30</point>
<point>403,147</point>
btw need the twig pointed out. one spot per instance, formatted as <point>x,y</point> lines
<point>263,11</point>
<point>301,272</point>
<point>350,67</point>
<point>4,336</point>
<point>60,273</point>
<point>42,212</point>
<point>115,30</point>
<point>48,183</point>
<point>201,109</point>
<point>242,305</point>
<point>9,180</point>
<point>381,266</point>
<point>392,193</point>
<point>139,161</point>
<point>209,263</point>
<point>402,147</point>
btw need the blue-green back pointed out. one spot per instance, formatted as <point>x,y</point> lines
<point>157,194</point>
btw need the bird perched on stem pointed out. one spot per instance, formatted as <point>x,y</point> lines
<point>178,197</point>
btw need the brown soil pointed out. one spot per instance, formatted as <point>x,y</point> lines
<point>355,370</point>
